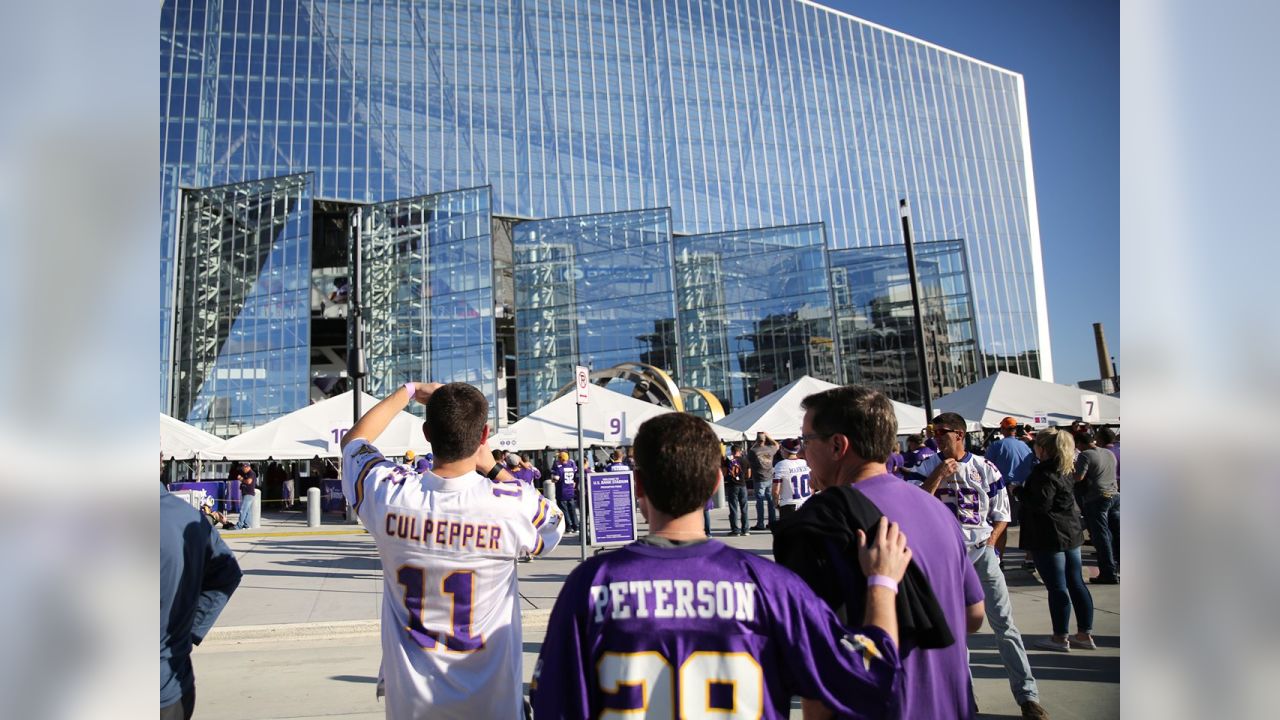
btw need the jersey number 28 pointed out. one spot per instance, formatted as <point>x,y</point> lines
<point>738,674</point>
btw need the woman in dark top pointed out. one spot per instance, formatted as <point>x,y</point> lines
<point>1051,534</point>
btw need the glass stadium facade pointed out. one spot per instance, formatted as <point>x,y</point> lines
<point>708,188</point>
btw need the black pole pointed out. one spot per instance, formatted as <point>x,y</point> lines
<point>355,338</point>
<point>925,383</point>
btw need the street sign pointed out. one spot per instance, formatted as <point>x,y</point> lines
<point>1089,410</point>
<point>581,379</point>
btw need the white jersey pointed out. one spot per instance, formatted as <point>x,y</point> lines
<point>451,641</point>
<point>976,494</point>
<point>793,476</point>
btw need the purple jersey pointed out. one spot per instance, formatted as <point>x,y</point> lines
<point>697,629</point>
<point>526,475</point>
<point>566,474</point>
<point>937,681</point>
<point>917,456</point>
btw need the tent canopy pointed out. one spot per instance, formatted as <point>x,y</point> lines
<point>608,419</point>
<point>1007,394</point>
<point>780,415</point>
<point>315,431</point>
<point>180,441</point>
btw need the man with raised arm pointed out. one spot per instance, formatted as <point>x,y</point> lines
<point>448,539</point>
<point>680,625</point>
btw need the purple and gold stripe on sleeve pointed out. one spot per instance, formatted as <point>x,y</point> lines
<point>537,547</point>
<point>360,478</point>
<point>540,517</point>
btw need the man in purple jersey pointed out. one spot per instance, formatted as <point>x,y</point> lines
<point>848,433</point>
<point>677,624</point>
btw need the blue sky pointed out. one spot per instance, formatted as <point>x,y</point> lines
<point>1069,55</point>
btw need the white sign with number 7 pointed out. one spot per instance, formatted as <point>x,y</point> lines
<point>1089,410</point>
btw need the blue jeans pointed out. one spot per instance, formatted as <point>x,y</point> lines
<point>706,522</point>
<point>737,496</point>
<point>762,500</point>
<point>1000,615</point>
<point>1097,515</point>
<point>246,510</point>
<point>1064,580</point>
<point>1114,522</point>
<point>570,508</point>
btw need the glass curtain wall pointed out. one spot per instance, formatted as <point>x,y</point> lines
<point>427,287</point>
<point>594,290</point>
<point>872,291</point>
<point>242,326</point>
<point>755,310</point>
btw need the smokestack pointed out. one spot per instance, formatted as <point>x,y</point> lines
<point>1104,359</point>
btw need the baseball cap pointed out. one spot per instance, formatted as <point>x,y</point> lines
<point>791,446</point>
<point>564,456</point>
<point>1008,422</point>
<point>409,454</point>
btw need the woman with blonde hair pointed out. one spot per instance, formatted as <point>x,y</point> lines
<point>1051,534</point>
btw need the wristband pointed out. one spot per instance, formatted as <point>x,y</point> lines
<point>493,471</point>
<point>412,388</point>
<point>883,581</point>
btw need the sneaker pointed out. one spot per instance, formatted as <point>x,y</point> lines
<point>1050,644</point>
<point>744,533</point>
<point>1033,709</point>
<point>1100,580</point>
<point>1086,644</point>
<point>757,526</point>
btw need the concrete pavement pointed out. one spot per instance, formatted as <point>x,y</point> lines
<point>299,638</point>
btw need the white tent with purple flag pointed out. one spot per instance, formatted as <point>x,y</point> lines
<point>315,432</point>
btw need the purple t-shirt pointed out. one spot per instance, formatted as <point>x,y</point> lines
<point>526,475</point>
<point>937,681</point>
<point>894,464</point>
<point>703,627</point>
<point>917,456</point>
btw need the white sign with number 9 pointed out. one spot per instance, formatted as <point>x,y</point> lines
<point>651,672</point>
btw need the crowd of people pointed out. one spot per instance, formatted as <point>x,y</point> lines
<point>886,557</point>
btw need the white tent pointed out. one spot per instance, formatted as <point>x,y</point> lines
<point>180,441</point>
<point>780,415</point>
<point>1022,398</point>
<point>608,419</point>
<point>315,431</point>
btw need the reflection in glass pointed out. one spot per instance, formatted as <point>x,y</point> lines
<point>755,311</point>
<point>242,330</point>
<point>428,292</point>
<point>872,290</point>
<point>592,290</point>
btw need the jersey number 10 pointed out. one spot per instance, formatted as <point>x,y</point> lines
<point>461,585</point>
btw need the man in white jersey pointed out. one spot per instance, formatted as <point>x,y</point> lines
<point>974,490</point>
<point>790,480</point>
<point>448,539</point>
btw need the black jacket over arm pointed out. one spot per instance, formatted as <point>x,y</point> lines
<point>820,544</point>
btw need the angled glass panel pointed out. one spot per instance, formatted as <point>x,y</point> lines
<point>242,326</point>
<point>595,290</point>
<point>755,311</point>
<point>427,288</point>
<point>872,291</point>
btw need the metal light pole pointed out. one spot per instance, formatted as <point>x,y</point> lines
<point>355,355</point>
<point>925,383</point>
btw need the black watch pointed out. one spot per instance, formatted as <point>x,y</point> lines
<point>493,471</point>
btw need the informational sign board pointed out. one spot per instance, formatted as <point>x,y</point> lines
<point>612,508</point>
<point>1040,418</point>
<point>581,377</point>
<point>1089,410</point>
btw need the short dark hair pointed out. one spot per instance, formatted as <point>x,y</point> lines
<point>916,438</point>
<point>1105,435</point>
<point>950,421</point>
<point>863,415</point>
<point>456,415</point>
<point>678,459</point>
<point>1084,436</point>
